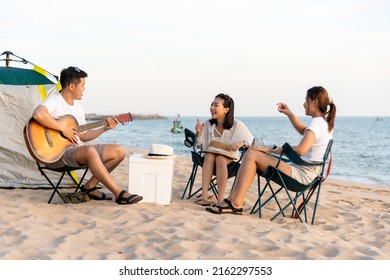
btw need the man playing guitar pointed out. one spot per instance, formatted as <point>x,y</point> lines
<point>100,158</point>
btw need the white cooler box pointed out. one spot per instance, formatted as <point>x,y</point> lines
<point>151,178</point>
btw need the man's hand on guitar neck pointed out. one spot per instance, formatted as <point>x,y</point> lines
<point>111,123</point>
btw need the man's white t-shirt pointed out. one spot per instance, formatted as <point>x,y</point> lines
<point>58,107</point>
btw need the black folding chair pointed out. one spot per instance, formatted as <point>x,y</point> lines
<point>62,171</point>
<point>197,161</point>
<point>303,193</point>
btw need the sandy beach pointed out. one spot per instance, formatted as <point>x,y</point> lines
<point>352,222</point>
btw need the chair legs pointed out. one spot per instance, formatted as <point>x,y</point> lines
<point>212,187</point>
<point>78,183</point>
<point>303,192</point>
<point>316,203</point>
<point>56,186</point>
<point>198,160</point>
<point>190,184</point>
<point>232,172</point>
<point>304,195</point>
<point>258,205</point>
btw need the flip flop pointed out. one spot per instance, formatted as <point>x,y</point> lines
<point>92,196</point>
<point>134,198</point>
<point>228,209</point>
<point>203,202</point>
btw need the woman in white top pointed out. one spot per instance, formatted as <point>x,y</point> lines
<point>233,134</point>
<point>316,136</point>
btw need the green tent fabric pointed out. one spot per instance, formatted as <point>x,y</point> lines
<point>20,76</point>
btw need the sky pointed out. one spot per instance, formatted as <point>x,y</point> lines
<point>174,56</point>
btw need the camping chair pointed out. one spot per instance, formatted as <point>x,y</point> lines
<point>197,160</point>
<point>290,185</point>
<point>63,170</point>
<point>43,168</point>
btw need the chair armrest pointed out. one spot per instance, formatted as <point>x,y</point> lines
<point>242,151</point>
<point>288,151</point>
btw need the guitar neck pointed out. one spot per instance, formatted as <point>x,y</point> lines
<point>88,126</point>
<point>120,119</point>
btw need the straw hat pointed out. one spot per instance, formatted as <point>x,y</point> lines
<point>216,147</point>
<point>160,151</point>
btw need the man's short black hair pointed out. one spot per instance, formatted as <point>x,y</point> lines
<point>71,75</point>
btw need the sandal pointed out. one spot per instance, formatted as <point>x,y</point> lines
<point>92,196</point>
<point>134,198</point>
<point>228,209</point>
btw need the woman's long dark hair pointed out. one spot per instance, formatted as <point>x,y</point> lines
<point>324,101</point>
<point>228,102</point>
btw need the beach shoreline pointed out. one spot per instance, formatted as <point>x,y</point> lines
<point>352,222</point>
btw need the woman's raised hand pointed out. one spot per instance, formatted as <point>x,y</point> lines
<point>283,108</point>
<point>198,127</point>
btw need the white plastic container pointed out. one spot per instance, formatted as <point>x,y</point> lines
<point>151,178</point>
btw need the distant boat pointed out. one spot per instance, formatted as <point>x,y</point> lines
<point>177,126</point>
<point>378,119</point>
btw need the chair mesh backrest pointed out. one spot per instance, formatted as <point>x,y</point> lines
<point>327,155</point>
<point>328,149</point>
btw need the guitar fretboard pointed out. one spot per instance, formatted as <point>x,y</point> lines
<point>88,126</point>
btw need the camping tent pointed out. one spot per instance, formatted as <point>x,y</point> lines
<point>21,90</point>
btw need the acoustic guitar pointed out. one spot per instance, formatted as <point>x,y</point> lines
<point>48,145</point>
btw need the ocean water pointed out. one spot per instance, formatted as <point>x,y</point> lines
<point>361,149</point>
